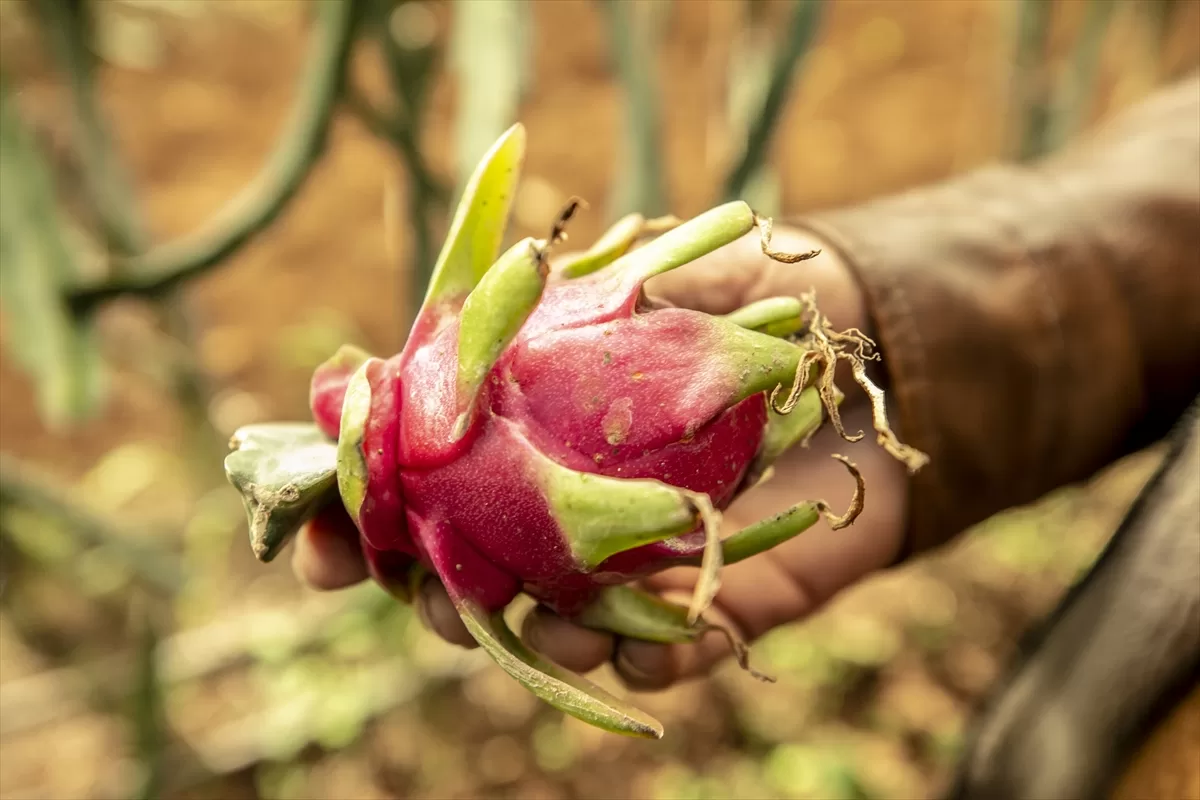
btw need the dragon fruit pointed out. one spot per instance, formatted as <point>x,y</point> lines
<point>551,432</point>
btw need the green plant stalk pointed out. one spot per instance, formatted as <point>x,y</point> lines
<point>488,54</point>
<point>1028,100</point>
<point>114,203</point>
<point>396,130</point>
<point>1078,89</point>
<point>261,202</point>
<point>748,70</point>
<point>36,262</point>
<point>21,485</point>
<point>408,74</point>
<point>147,709</point>
<point>1160,14</point>
<point>641,186</point>
<point>802,32</point>
<point>66,29</point>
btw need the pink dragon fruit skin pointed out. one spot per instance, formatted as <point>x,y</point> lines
<point>328,388</point>
<point>625,391</point>
<point>554,434</point>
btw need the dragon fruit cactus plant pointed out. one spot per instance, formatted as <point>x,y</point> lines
<point>548,431</point>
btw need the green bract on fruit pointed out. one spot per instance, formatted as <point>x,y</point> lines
<point>547,431</point>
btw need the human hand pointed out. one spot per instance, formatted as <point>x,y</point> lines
<point>779,586</point>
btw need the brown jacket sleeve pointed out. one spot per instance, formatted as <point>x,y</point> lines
<point>1037,323</point>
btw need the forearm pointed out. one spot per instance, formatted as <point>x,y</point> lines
<point>1036,323</point>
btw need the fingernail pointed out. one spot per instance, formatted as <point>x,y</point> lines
<point>531,631</point>
<point>422,604</point>
<point>643,664</point>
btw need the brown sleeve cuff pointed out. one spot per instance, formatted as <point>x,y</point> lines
<point>1022,352</point>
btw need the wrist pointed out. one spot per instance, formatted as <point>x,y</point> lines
<point>844,301</point>
<point>828,275</point>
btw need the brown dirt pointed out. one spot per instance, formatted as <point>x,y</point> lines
<point>895,95</point>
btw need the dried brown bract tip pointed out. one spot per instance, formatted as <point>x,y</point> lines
<point>741,652</point>
<point>558,232</point>
<point>912,458</point>
<point>837,522</point>
<point>716,620</point>
<point>709,582</point>
<point>764,226</point>
<point>799,384</point>
<point>827,347</point>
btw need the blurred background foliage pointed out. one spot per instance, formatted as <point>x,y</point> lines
<point>201,199</point>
